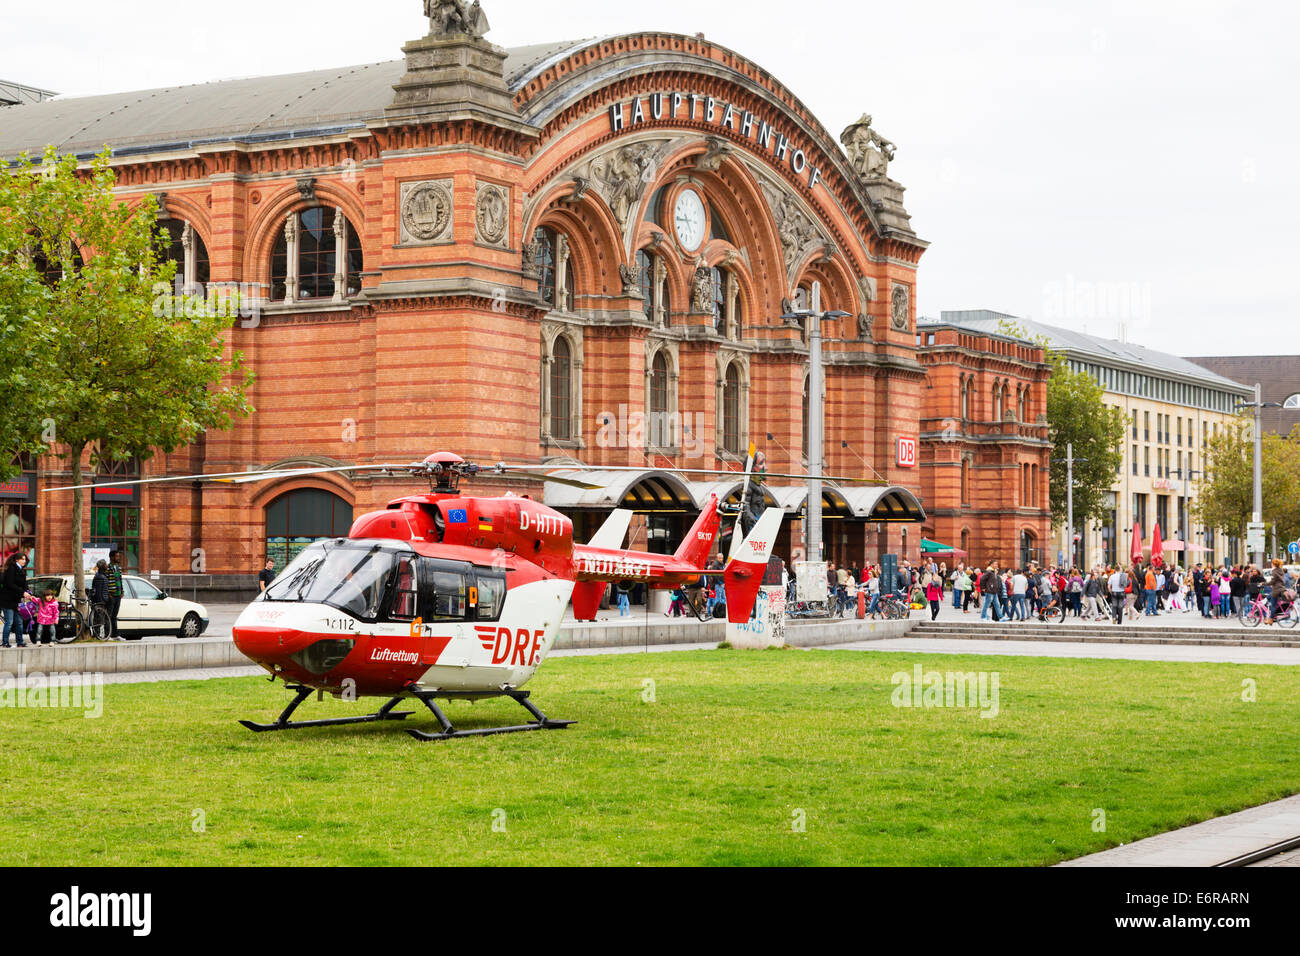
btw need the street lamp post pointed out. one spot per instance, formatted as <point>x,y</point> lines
<point>816,414</point>
<point>1257,511</point>
<point>1069,460</point>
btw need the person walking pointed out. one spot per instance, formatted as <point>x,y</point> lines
<point>1118,584</point>
<point>1149,591</point>
<point>989,589</point>
<point>934,594</point>
<point>13,592</point>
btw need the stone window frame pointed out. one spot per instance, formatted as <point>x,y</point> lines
<point>668,349</point>
<point>725,360</point>
<point>572,334</point>
<point>291,227</point>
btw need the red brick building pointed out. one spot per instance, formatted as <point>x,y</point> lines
<point>984,451</point>
<point>575,251</point>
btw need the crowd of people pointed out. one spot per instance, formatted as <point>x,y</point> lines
<point>1116,593</point>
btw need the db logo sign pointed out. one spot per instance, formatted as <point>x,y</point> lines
<point>907,453</point>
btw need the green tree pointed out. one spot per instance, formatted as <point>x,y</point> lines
<point>123,372</point>
<point>1227,495</point>
<point>1077,418</point>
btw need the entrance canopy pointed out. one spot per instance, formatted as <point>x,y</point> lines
<point>649,490</point>
<point>657,490</point>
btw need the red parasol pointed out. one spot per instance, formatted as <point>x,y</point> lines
<point>1135,552</point>
<point>1157,547</point>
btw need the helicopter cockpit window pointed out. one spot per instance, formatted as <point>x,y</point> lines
<point>347,576</point>
<point>491,592</point>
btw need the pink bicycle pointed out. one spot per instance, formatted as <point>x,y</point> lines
<point>1260,611</point>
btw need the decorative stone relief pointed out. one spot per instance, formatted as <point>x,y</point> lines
<point>712,158</point>
<point>491,214</point>
<point>899,300</point>
<point>532,251</point>
<point>702,289</point>
<point>426,212</point>
<point>306,187</point>
<point>867,292</point>
<point>800,235</point>
<point>622,175</point>
<point>631,276</point>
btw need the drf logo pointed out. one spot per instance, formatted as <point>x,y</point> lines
<point>513,648</point>
<point>907,453</point>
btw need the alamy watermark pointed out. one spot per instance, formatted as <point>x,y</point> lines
<point>922,688</point>
<point>638,429</point>
<point>69,689</point>
<point>196,300</point>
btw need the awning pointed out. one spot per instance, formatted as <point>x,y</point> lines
<point>934,547</point>
<point>659,490</point>
<point>649,490</point>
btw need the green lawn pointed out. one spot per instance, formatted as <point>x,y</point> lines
<point>715,771</point>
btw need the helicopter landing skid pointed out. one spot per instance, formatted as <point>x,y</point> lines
<point>284,723</point>
<point>448,731</point>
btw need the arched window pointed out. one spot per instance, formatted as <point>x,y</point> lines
<point>316,256</point>
<point>554,267</point>
<point>966,385</point>
<point>965,481</point>
<point>661,434</point>
<point>965,542</point>
<point>297,518</point>
<point>561,382</point>
<point>731,430</point>
<point>187,250</point>
<point>1022,402</point>
<point>997,402</point>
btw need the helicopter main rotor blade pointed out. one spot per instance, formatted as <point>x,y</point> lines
<point>738,475</point>
<point>235,477</point>
<point>525,472</point>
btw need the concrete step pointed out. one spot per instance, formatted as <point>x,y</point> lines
<point>1220,637</point>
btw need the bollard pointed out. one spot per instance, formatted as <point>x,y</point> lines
<point>862,604</point>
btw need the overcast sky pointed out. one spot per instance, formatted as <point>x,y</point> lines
<point>1084,164</point>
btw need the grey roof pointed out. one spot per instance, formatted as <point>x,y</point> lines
<point>1086,347</point>
<point>257,108</point>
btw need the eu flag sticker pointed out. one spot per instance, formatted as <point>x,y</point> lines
<point>457,516</point>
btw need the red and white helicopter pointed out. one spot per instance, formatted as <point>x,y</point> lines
<point>446,596</point>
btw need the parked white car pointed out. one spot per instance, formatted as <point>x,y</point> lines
<point>145,609</point>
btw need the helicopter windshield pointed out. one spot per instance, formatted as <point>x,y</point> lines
<point>344,575</point>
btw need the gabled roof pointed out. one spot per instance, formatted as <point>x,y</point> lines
<point>1085,347</point>
<point>287,106</point>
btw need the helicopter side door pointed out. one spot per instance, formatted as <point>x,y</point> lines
<point>446,600</point>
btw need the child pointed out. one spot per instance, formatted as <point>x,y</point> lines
<point>47,618</point>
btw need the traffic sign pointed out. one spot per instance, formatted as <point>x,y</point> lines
<point>1294,547</point>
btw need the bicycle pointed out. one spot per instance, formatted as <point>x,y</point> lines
<point>894,608</point>
<point>1260,612</point>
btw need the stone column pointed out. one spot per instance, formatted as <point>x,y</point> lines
<point>187,267</point>
<point>340,255</point>
<point>659,281</point>
<point>561,273</point>
<point>291,257</point>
